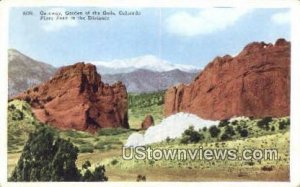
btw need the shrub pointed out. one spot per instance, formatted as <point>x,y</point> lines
<point>11,107</point>
<point>238,128</point>
<point>228,133</point>
<point>283,124</point>
<point>114,162</point>
<point>264,123</point>
<point>235,122</point>
<point>204,129</point>
<point>86,164</point>
<point>184,140</point>
<point>243,123</point>
<point>191,136</point>
<point>229,130</point>
<point>214,131</point>
<point>223,123</point>
<point>17,115</point>
<point>140,178</point>
<point>151,162</point>
<point>225,137</point>
<point>272,128</point>
<point>244,133</point>
<point>97,175</point>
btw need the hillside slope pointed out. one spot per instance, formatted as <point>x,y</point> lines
<point>25,72</point>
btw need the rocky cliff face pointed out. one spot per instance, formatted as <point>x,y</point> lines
<point>76,98</point>
<point>254,83</point>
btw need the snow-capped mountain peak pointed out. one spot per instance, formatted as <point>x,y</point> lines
<point>148,62</point>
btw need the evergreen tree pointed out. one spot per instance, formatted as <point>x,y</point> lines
<point>214,131</point>
<point>46,157</point>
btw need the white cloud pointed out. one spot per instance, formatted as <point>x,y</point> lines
<point>204,22</point>
<point>281,18</point>
<point>56,25</point>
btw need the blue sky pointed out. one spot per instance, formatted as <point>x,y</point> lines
<point>181,36</point>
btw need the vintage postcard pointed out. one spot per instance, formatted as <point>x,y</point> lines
<point>148,94</point>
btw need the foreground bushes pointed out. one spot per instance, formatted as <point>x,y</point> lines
<point>191,136</point>
<point>47,157</point>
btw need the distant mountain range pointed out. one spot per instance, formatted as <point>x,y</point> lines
<point>25,72</point>
<point>142,80</point>
<point>147,62</point>
<point>142,74</point>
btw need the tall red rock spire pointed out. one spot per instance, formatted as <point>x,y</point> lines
<point>76,98</point>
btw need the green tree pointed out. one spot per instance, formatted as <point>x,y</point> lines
<point>191,136</point>
<point>214,131</point>
<point>230,131</point>
<point>225,137</point>
<point>264,123</point>
<point>47,157</point>
<point>223,123</point>
<point>244,133</point>
<point>272,128</point>
<point>86,165</point>
<point>97,175</point>
<point>282,125</point>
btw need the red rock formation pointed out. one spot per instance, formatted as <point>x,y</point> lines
<point>254,83</point>
<point>148,122</point>
<point>75,98</point>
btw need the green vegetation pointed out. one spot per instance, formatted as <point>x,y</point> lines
<point>145,100</point>
<point>191,136</point>
<point>21,123</point>
<point>103,147</point>
<point>140,105</point>
<point>112,131</point>
<point>264,123</point>
<point>47,157</point>
<point>207,170</point>
<point>214,131</point>
<point>237,129</point>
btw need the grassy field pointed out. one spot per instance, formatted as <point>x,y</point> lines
<point>166,170</point>
<point>203,170</point>
<point>104,147</point>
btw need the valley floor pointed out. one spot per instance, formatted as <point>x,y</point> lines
<point>165,170</point>
<point>105,148</point>
<point>207,175</point>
